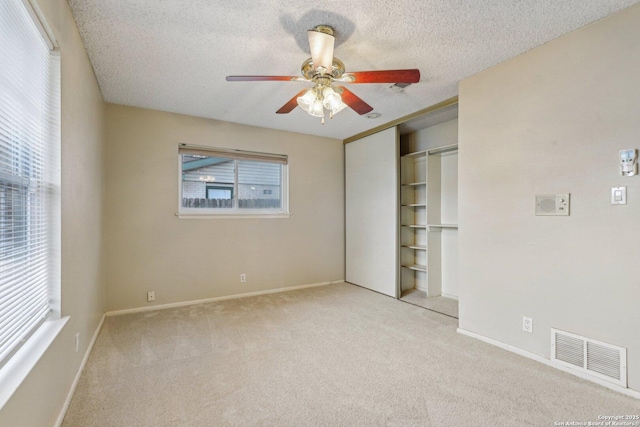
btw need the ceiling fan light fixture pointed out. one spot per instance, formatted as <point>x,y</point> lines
<point>306,101</point>
<point>319,98</point>
<point>337,109</point>
<point>332,100</point>
<point>316,109</point>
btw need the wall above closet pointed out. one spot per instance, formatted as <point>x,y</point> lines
<point>422,119</point>
<point>427,120</point>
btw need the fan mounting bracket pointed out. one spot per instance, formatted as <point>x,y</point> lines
<point>325,29</point>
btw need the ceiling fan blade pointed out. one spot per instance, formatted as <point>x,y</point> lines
<point>264,78</point>
<point>321,46</point>
<point>293,103</point>
<point>354,102</point>
<point>383,76</point>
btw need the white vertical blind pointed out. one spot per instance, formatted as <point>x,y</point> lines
<point>29,174</point>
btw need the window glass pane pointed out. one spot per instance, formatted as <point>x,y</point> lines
<point>259,185</point>
<point>207,182</point>
<point>211,181</point>
<point>219,193</point>
<point>29,177</point>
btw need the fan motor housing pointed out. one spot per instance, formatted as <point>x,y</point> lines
<point>337,69</point>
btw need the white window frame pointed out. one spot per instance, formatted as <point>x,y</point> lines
<point>235,212</point>
<point>24,357</point>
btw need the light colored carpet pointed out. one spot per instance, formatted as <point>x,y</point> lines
<point>444,305</point>
<point>335,355</point>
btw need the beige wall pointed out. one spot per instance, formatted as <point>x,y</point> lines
<point>553,121</point>
<point>39,400</point>
<point>149,248</point>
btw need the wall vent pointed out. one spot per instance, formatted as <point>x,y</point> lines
<point>598,359</point>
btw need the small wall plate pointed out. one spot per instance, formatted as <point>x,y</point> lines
<point>552,204</point>
<point>618,195</point>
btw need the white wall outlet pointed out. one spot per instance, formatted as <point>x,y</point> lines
<point>527,324</point>
<point>77,341</point>
<point>243,278</point>
<point>151,296</point>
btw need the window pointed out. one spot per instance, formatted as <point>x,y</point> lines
<point>232,182</point>
<point>219,192</point>
<point>29,176</point>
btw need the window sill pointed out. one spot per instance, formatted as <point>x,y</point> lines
<point>232,216</point>
<point>14,372</point>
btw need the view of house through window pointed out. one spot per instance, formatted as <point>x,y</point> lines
<point>221,182</point>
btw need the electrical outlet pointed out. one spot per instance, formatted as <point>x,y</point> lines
<point>151,296</point>
<point>527,324</point>
<point>77,341</point>
<point>243,278</point>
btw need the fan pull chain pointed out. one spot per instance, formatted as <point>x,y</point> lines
<point>322,120</point>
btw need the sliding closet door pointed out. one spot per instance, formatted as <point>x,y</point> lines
<point>371,211</point>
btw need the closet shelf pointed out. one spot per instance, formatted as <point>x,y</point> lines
<point>415,225</point>
<point>443,149</point>
<point>414,184</point>
<point>415,205</point>
<point>439,227</point>
<point>415,154</point>
<point>416,267</point>
<point>417,247</point>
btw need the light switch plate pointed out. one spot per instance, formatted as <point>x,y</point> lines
<point>618,195</point>
<point>552,204</point>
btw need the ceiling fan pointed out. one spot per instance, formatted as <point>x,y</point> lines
<point>323,70</point>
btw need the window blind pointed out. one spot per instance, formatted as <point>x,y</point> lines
<point>29,174</point>
<point>232,154</point>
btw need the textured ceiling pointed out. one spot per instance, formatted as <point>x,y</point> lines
<point>173,55</point>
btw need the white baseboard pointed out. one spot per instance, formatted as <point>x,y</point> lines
<point>214,299</point>
<point>545,361</point>
<point>72,390</point>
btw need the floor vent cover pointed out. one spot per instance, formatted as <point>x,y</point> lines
<point>598,359</point>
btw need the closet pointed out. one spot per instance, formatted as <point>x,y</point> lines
<point>420,266</point>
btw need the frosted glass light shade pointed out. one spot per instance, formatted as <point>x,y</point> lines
<point>341,106</point>
<point>306,101</point>
<point>317,109</point>
<point>331,99</point>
